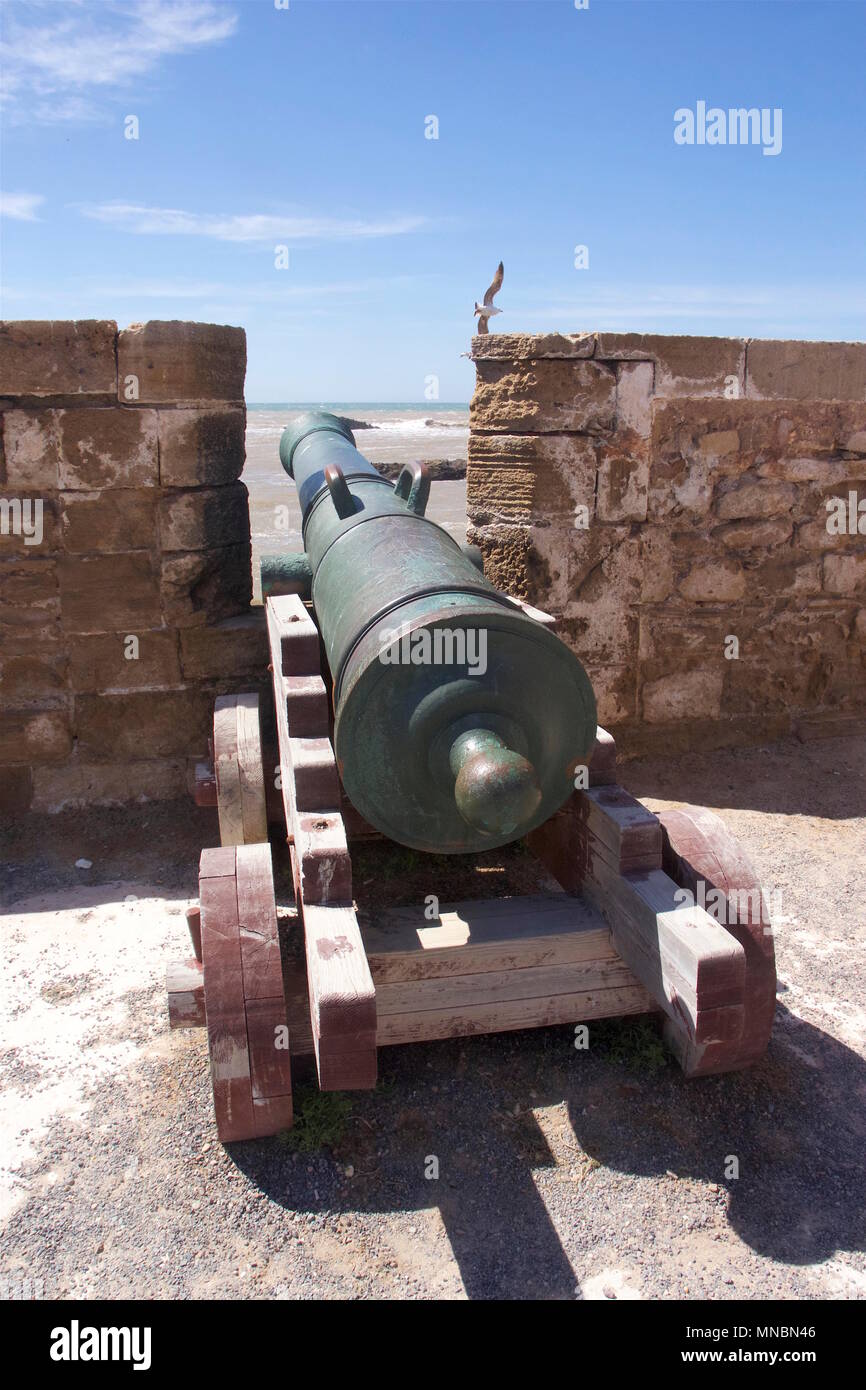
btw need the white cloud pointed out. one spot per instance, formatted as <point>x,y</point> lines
<point>50,63</point>
<point>21,206</point>
<point>252,227</point>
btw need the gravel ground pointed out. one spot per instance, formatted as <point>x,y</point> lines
<point>562,1174</point>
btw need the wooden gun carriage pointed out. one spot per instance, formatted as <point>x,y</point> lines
<point>626,933</point>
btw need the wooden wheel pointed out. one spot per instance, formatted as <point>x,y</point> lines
<point>701,854</point>
<point>243,993</point>
<point>239,770</point>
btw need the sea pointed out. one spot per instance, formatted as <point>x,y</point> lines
<point>398,434</point>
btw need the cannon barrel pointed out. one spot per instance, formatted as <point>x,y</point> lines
<point>459,720</point>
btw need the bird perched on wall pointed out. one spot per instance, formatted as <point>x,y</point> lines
<point>486,310</point>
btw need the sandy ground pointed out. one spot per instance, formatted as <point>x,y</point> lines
<point>562,1174</point>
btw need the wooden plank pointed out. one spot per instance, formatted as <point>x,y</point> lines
<point>323,856</point>
<point>217,863</point>
<point>224,1002</point>
<point>514,1014</point>
<point>420,1026</point>
<point>476,936</point>
<point>257,915</point>
<point>184,983</point>
<point>317,785</point>
<point>490,987</point>
<point>298,636</point>
<point>324,868</point>
<point>342,997</point>
<point>271,1114</point>
<point>625,830</point>
<point>701,853</point>
<point>227,771</point>
<point>609,845</point>
<point>251,771</point>
<point>689,964</point>
<point>270,1064</point>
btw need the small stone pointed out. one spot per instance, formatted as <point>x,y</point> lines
<point>84,863</point>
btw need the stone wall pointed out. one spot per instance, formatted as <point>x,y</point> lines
<point>124,556</point>
<point>667,498</point>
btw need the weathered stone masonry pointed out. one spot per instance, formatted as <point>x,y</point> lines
<point>121,623</point>
<point>701,467</point>
<point>662,495</point>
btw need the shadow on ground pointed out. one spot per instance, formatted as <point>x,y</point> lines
<point>823,777</point>
<point>794,1124</point>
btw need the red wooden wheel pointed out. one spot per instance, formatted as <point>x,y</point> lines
<point>702,855</point>
<point>243,992</point>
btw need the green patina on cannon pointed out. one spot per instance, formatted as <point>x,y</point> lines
<point>459,719</point>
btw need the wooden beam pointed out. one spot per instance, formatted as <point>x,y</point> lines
<point>609,846</point>
<point>342,996</point>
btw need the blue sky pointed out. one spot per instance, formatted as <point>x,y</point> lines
<point>305,127</point>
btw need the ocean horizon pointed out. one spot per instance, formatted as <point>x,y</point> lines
<point>396,432</point>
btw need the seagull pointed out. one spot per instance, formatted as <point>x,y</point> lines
<point>486,310</point>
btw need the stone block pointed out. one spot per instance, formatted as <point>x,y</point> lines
<point>201,447</point>
<point>756,498</point>
<point>34,736</point>
<point>699,445</point>
<point>623,478</point>
<point>108,447</point>
<point>754,535</point>
<point>111,662</point>
<point>845,574</point>
<point>139,725</point>
<point>111,593</point>
<point>31,448</point>
<point>232,647</point>
<point>523,478</point>
<point>28,523</point>
<point>32,673</point>
<point>656,565</point>
<point>600,617</point>
<point>173,361</point>
<point>54,357</point>
<point>80,783</point>
<point>674,640</point>
<point>634,393</point>
<point>204,518</point>
<point>16,791</point>
<point>615,689</point>
<point>695,694</point>
<point>115,520</point>
<point>29,598</point>
<point>513,347</point>
<point>543,397</point>
<point>204,586</point>
<point>784,573</point>
<point>684,366</point>
<point>803,371</point>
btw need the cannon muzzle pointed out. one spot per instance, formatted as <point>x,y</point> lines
<point>459,720</point>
